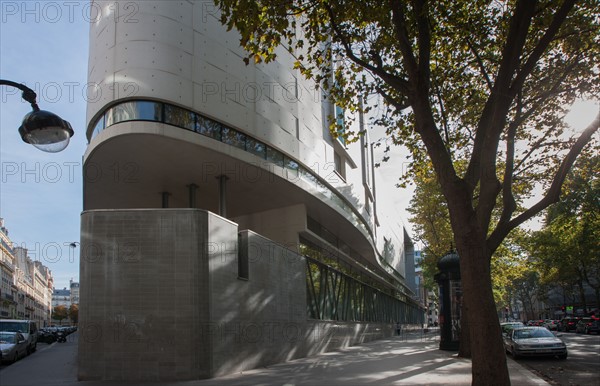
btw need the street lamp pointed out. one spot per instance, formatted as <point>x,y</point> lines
<point>43,129</point>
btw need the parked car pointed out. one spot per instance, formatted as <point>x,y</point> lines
<point>26,327</point>
<point>551,325</point>
<point>46,335</point>
<point>567,324</point>
<point>13,346</point>
<point>534,341</point>
<point>508,326</point>
<point>587,326</point>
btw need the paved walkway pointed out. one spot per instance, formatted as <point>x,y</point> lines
<point>413,359</point>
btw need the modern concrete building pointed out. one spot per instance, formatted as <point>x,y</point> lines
<point>224,227</point>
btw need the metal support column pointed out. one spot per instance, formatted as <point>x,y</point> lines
<point>222,195</point>
<point>192,190</point>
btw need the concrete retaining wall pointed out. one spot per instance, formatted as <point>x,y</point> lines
<point>162,299</point>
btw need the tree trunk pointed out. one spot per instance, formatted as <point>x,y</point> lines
<point>464,349</point>
<point>487,349</point>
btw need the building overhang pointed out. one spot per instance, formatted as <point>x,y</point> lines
<point>133,164</point>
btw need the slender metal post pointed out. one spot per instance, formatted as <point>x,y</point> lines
<point>222,195</point>
<point>192,193</point>
<point>165,199</point>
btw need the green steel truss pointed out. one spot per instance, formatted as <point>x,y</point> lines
<point>333,295</point>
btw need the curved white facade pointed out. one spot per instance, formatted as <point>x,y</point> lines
<point>177,55</point>
<point>217,203</point>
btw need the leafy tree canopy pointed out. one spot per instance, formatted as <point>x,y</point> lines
<point>481,86</point>
<point>60,312</point>
<point>566,249</point>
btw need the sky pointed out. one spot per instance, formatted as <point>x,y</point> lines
<point>44,45</point>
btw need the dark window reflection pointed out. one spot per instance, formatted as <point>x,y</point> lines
<point>234,138</point>
<point>256,147</point>
<point>209,128</point>
<point>99,126</point>
<point>180,117</point>
<point>133,111</point>
<point>274,156</point>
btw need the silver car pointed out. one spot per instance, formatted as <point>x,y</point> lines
<point>534,341</point>
<point>12,345</point>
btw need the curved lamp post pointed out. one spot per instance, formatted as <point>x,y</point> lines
<point>43,129</point>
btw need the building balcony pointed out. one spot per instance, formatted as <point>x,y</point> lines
<point>7,263</point>
<point>8,297</point>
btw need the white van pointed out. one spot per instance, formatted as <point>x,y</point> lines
<point>26,327</point>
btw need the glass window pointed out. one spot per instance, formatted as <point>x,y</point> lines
<point>307,176</point>
<point>133,111</point>
<point>256,147</point>
<point>234,138</point>
<point>209,128</point>
<point>99,126</point>
<point>293,168</point>
<point>180,117</point>
<point>291,164</point>
<point>339,117</point>
<point>274,156</point>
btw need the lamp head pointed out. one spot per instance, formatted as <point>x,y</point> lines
<point>45,130</point>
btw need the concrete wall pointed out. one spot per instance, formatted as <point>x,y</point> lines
<point>161,299</point>
<point>281,224</point>
<point>143,295</point>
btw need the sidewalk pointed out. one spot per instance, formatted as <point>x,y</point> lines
<point>412,359</point>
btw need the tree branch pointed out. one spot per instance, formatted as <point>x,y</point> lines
<point>542,45</point>
<point>509,204</point>
<point>553,193</point>
<point>421,11</point>
<point>398,83</point>
<point>480,64</point>
<point>493,116</point>
<point>399,106</point>
<point>399,20</point>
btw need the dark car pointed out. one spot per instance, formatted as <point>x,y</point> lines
<point>534,341</point>
<point>567,324</point>
<point>46,335</point>
<point>551,325</point>
<point>587,326</point>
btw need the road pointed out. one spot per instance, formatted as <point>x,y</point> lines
<point>581,368</point>
<point>54,362</point>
